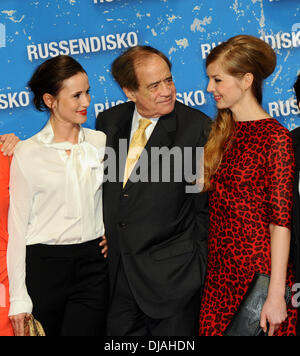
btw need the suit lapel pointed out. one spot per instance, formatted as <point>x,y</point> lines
<point>120,142</point>
<point>163,135</point>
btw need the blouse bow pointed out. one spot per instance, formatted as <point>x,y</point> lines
<point>81,182</point>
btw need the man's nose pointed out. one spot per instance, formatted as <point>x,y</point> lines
<point>165,89</point>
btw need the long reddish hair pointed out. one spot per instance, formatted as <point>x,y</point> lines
<point>239,55</point>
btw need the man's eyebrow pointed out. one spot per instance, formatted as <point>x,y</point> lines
<point>159,81</point>
<point>151,84</point>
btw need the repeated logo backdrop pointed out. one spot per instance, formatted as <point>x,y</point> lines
<point>95,32</point>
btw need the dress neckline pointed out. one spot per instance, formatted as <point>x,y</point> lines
<point>254,121</point>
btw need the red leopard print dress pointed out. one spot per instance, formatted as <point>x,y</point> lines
<point>253,188</point>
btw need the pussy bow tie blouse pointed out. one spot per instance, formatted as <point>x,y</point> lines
<point>55,199</point>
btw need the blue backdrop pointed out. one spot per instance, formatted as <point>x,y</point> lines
<point>95,32</point>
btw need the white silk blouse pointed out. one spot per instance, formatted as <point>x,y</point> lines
<point>55,199</point>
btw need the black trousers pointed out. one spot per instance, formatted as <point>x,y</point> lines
<point>125,318</point>
<point>68,285</point>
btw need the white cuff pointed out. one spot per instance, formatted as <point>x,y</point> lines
<point>20,307</point>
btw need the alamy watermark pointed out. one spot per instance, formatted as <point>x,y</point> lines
<point>2,35</point>
<point>157,165</point>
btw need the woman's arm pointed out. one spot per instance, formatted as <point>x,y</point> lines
<point>275,310</point>
<point>280,171</point>
<point>18,218</point>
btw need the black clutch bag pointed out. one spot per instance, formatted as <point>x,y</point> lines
<point>246,321</point>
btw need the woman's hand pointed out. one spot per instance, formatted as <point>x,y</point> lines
<point>274,312</point>
<point>18,323</point>
<point>104,244</point>
<point>8,142</point>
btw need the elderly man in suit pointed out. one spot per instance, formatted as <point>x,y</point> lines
<point>156,230</point>
<point>296,207</point>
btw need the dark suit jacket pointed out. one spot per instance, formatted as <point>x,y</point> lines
<point>295,246</point>
<point>157,229</point>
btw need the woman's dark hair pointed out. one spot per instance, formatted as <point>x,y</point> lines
<point>123,68</point>
<point>49,76</point>
<point>297,89</point>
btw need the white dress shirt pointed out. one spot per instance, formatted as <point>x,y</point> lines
<point>135,125</point>
<point>55,199</point>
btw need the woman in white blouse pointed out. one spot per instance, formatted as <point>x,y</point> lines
<point>56,268</point>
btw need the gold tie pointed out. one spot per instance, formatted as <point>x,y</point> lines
<point>136,147</point>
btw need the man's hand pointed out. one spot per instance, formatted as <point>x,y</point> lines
<point>8,142</point>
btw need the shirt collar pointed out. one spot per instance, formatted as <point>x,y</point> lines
<point>137,116</point>
<point>46,135</point>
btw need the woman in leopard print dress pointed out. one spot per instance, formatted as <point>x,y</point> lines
<point>249,169</point>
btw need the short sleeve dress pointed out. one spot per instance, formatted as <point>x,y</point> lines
<point>253,188</point>
<point>5,325</point>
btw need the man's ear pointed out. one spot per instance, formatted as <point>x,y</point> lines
<point>48,100</point>
<point>130,94</point>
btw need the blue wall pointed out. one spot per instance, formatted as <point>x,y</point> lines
<point>95,32</point>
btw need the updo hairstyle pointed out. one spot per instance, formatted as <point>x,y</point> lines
<point>49,76</point>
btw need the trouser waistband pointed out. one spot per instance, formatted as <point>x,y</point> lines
<point>74,250</point>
